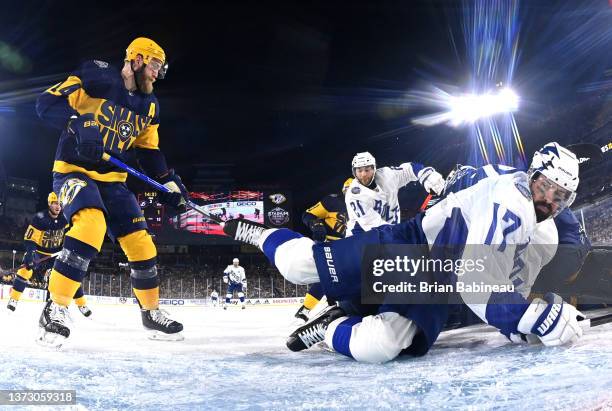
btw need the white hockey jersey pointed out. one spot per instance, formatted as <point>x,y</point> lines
<point>235,275</point>
<point>214,295</point>
<point>369,208</point>
<point>543,243</point>
<point>492,220</point>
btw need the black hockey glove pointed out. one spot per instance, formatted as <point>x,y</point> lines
<point>86,131</point>
<point>28,259</point>
<point>178,194</point>
<point>318,230</point>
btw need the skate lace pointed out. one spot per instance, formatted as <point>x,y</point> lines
<point>313,335</point>
<point>248,233</point>
<point>58,314</point>
<point>160,317</point>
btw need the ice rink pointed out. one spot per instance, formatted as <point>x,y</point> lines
<point>237,359</point>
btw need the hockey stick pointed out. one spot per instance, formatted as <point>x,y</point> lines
<point>589,152</point>
<point>425,202</point>
<point>158,186</point>
<point>600,320</point>
<point>40,260</point>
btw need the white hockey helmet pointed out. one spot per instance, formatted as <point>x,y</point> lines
<point>363,160</point>
<point>560,166</point>
<point>235,261</point>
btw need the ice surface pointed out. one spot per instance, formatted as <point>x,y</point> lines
<point>237,360</point>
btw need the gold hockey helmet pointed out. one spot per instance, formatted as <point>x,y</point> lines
<point>148,49</point>
<point>52,198</point>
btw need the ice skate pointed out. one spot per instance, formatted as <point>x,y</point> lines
<point>85,310</point>
<point>244,230</point>
<point>302,314</point>
<point>12,305</point>
<point>52,322</point>
<point>160,327</point>
<point>313,332</point>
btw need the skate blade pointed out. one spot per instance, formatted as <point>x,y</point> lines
<point>50,340</point>
<point>323,345</point>
<point>161,336</point>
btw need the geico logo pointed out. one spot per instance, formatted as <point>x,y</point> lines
<point>172,302</point>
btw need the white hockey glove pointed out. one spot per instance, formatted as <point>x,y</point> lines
<point>225,279</point>
<point>431,180</point>
<point>552,320</point>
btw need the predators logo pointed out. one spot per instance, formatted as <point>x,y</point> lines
<point>70,189</point>
<point>277,198</point>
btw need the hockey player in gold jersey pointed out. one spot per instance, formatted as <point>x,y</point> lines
<point>327,222</point>
<point>43,238</point>
<point>100,109</point>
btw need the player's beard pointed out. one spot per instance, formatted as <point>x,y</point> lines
<point>145,85</point>
<point>542,215</point>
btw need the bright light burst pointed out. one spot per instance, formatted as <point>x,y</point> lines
<point>468,108</point>
<point>491,33</point>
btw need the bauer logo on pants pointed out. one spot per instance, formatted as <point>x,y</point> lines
<point>70,189</point>
<point>278,216</point>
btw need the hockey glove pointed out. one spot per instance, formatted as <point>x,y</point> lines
<point>552,320</point>
<point>86,131</point>
<point>28,259</point>
<point>431,180</point>
<point>178,193</point>
<point>318,230</point>
<point>225,280</point>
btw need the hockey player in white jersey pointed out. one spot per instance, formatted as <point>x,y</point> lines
<point>371,199</point>
<point>498,214</point>
<point>214,298</point>
<point>235,278</point>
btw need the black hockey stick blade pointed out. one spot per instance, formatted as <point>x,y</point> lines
<point>586,152</point>
<point>601,319</point>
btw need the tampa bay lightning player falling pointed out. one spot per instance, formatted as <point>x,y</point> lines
<point>495,213</point>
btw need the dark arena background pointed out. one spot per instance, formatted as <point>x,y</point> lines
<point>262,108</point>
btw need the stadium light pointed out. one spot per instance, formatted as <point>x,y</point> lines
<point>471,107</point>
<point>468,108</point>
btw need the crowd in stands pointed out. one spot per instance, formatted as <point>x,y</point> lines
<point>10,229</point>
<point>597,220</point>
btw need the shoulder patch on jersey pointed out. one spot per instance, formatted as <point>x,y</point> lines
<point>40,214</point>
<point>523,189</point>
<point>355,190</point>
<point>101,64</point>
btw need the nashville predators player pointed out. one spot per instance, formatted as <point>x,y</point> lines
<point>43,237</point>
<point>327,221</point>
<point>101,109</point>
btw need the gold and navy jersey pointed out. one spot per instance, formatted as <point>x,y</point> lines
<point>332,210</point>
<point>46,234</point>
<point>128,119</point>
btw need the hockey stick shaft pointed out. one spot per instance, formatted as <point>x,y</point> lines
<point>425,202</point>
<point>40,260</point>
<point>601,320</point>
<point>158,186</point>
